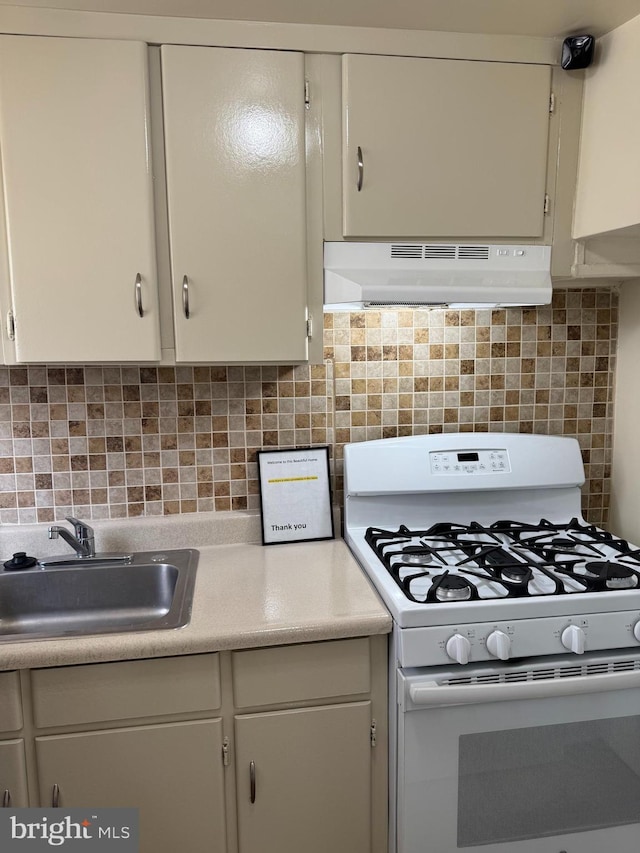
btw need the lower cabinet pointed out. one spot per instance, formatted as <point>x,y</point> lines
<point>13,768</point>
<point>273,750</point>
<point>13,774</point>
<point>303,780</point>
<point>171,773</point>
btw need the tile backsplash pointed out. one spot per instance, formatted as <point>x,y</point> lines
<point>111,442</point>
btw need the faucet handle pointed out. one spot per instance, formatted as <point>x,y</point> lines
<point>84,536</point>
<point>82,530</point>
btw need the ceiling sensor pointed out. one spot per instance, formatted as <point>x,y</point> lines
<point>577,52</point>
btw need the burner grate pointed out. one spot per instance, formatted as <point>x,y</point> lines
<point>507,559</point>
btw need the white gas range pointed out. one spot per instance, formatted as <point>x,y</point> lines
<point>501,594</point>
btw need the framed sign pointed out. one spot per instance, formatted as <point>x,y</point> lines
<point>295,495</point>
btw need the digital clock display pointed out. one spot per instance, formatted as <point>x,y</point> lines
<point>468,457</point>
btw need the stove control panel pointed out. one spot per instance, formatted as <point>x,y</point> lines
<point>462,463</point>
<point>519,638</point>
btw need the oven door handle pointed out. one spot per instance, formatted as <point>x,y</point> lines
<point>430,693</point>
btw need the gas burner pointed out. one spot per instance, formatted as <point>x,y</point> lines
<point>614,575</point>
<point>563,544</point>
<point>415,560</point>
<point>518,574</point>
<point>448,587</point>
<point>415,555</point>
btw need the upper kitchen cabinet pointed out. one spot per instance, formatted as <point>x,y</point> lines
<point>608,190</point>
<point>443,148</point>
<point>234,123</point>
<point>76,168</point>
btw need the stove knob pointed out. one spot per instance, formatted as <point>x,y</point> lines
<point>458,648</point>
<point>573,638</point>
<point>636,631</point>
<point>499,645</point>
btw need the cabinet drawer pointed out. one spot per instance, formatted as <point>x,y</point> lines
<point>10,705</point>
<point>297,673</point>
<point>127,690</point>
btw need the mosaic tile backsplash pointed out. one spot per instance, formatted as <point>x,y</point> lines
<point>111,442</point>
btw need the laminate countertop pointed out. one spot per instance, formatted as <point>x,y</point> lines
<point>246,596</point>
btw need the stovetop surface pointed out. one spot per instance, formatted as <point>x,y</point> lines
<point>457,563</point>
<point>457,573</point>
<point>484,528</point>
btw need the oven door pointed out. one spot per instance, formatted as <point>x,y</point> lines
<point>550,764</point>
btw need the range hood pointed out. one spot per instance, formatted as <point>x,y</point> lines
<point>374,275</point>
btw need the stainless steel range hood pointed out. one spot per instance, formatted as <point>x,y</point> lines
<point>374,275</point>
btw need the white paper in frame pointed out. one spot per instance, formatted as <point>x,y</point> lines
<point>295,495</point>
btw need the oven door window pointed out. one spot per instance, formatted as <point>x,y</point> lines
<point>548,780</point>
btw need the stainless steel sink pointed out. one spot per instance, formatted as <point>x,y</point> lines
<point>98,595</point>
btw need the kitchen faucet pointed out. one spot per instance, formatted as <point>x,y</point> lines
<point>83,543</point>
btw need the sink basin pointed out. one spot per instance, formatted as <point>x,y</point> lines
<point>98,595</point>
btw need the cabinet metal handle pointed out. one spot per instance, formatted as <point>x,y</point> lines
<point>6,799</point>
<point>55,796</point>
<point>360,169</point>
<point>139,308</point>
<point>185,297</point>
<point>252,781</point>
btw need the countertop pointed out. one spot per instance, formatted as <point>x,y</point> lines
<point>246,595</point>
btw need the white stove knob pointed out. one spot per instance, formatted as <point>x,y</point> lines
<point>636,631</point>
<point>499,645</point>
<point>458,648</point>
<point>573,638</point>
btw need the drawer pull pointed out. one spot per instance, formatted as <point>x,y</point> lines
<point>360,169</point>
<point>55,796</point>
<point>6,799</point>
<point>252,781</point>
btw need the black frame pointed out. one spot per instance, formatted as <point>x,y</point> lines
<point>300,452</point>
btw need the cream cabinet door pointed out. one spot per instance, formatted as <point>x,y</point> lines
<point>304,780</point>
<point>235,157</point>
<point>13,775</point>
<point>172,773</point>
<point>74,124</point>
<point>435,148</point>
